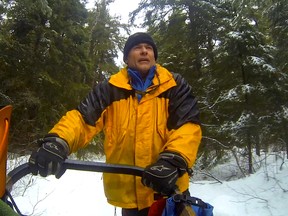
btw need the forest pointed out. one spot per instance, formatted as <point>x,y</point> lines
<point>232,52</point>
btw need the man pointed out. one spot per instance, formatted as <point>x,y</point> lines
<point>149,118</point>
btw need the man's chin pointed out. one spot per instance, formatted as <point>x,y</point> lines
<point>144,69</point>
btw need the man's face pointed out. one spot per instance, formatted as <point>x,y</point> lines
<point>141,58</point>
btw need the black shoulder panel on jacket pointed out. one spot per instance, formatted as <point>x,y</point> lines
<point>182,104</point>
<point>98,99</point>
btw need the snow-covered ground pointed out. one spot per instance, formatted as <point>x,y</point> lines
<point>265,193</point>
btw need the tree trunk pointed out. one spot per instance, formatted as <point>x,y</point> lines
<point>248,125</point>
<point>249,145</point>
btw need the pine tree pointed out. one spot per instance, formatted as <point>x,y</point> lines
<point>277,12</point>
<point>43,60</point>
<point>104,40</point>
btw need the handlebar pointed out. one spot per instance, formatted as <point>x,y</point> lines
<point>24,169</point>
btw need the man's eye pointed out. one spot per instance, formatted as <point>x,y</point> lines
<point>136,47</point>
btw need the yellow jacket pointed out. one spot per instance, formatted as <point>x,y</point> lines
<point>166,118</point>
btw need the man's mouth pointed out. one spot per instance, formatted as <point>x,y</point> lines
<point>143,60</point>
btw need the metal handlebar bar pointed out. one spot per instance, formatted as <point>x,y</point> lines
<point>24,169</point>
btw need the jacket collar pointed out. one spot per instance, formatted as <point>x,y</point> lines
<point>162,77</point>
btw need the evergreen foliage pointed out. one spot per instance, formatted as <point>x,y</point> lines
<point>45,65</point>
<point>104,40</point>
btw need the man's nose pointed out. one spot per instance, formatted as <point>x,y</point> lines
<point>144,50</point>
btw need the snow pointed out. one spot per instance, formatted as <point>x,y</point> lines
<point>285,112</point>
<point>263,193</point>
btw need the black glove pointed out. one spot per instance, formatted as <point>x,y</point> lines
<point>48,159</point>
<point>162,175</point>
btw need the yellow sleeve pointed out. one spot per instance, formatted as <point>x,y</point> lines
<point>185,141</point>
<point>72,128</point>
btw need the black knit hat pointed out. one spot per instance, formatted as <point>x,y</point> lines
<point>137,38</point>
